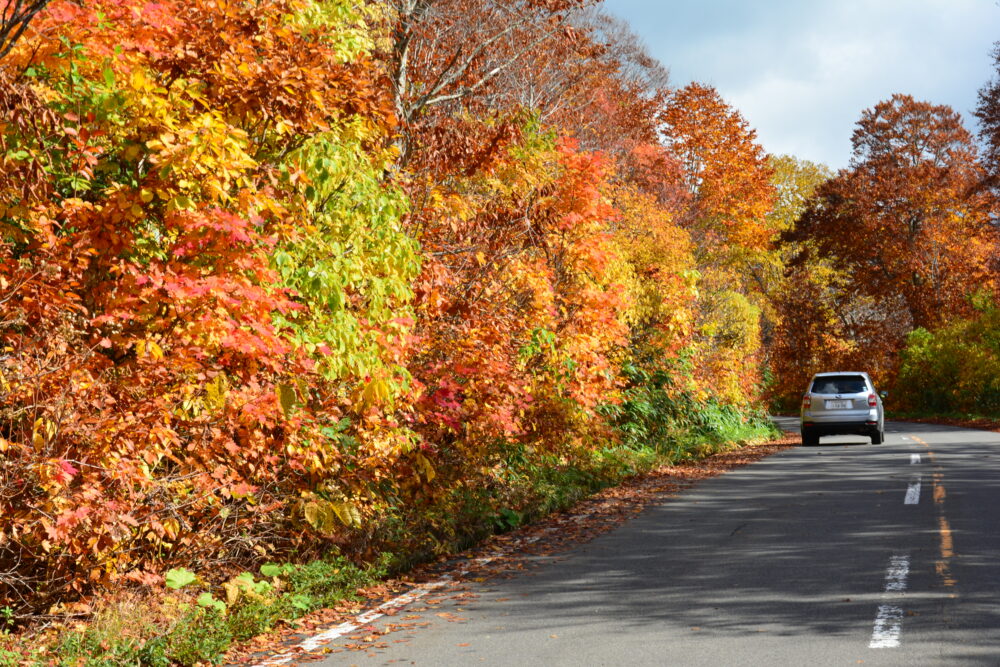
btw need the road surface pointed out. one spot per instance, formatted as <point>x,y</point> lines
<point>841,554</point>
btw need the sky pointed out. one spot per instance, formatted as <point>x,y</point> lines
<point>801,71</point>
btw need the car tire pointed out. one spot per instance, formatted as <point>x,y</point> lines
<point>809,439</point>
<point>878,437</point>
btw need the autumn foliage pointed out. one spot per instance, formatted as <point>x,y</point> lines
<point>162,393</point>
<point>285,276</point>
<point>899,240</point>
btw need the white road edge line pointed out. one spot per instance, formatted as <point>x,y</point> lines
<point>889,618</point>
<point>361,620</point>
<point>914,459</point>
<point>913,493</point>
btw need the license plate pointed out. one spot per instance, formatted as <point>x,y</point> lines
<point>839,405</point>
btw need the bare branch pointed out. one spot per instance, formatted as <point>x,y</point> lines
<point>489,75</point>
<point>14,19</point>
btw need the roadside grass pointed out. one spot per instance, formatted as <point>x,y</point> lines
<point>191,625</point>
<point>195,621</point>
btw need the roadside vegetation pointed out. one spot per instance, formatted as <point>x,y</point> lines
<point>298,293</point>
<point>195,619</point>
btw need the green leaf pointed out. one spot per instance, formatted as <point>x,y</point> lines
<point>208,601</point>
<point>276,570</point>
<point>302,602</point>
<point>180,577</point>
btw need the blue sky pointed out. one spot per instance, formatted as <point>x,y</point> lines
<point>801,71</point>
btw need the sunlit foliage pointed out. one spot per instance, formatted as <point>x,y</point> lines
<point>284,276</point>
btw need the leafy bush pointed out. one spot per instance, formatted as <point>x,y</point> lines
<point>202,635</point>
<point>955,368</point>
<point>661,411</point>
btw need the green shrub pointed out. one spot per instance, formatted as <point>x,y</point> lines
<point>201,635</point>
<point>660,412</point>
<point>953,369</point>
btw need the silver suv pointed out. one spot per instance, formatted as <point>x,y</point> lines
<point>842,404</point>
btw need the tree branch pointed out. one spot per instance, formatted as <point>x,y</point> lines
<point>14,19</point>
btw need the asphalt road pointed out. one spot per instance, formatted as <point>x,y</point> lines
<point>841,554</point>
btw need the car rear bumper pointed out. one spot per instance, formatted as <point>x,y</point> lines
<point>841,428</point>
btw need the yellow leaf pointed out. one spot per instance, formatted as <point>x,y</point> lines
<point>311,512</point>
<point>287,398</point>
<point>328,517</point>
<point>139,80</point>
<point>37,435</point>
<point>426,468</point>
<point>376,392</point>
<point>346,512</point>
<point>171,527</point>
<point>233,591</point>
<point>216,392</point>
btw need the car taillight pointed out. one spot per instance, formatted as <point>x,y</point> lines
<point>872,400</point>
<point>807,401</point>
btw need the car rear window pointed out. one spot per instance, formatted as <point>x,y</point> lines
<point>839,384</point>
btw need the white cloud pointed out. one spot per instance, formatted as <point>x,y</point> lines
<point>801,72</point>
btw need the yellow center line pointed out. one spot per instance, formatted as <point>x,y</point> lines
<point>947,542</point>
<point>939,492</point>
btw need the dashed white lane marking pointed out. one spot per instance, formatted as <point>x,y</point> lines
<point>913,493</point>
<point>914,459</point>
<point>888,627</point>
<point>889,618</point>
<point>897,573</point>
<point>904,437</point>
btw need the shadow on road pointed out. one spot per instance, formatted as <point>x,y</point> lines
<point>793,547</point>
